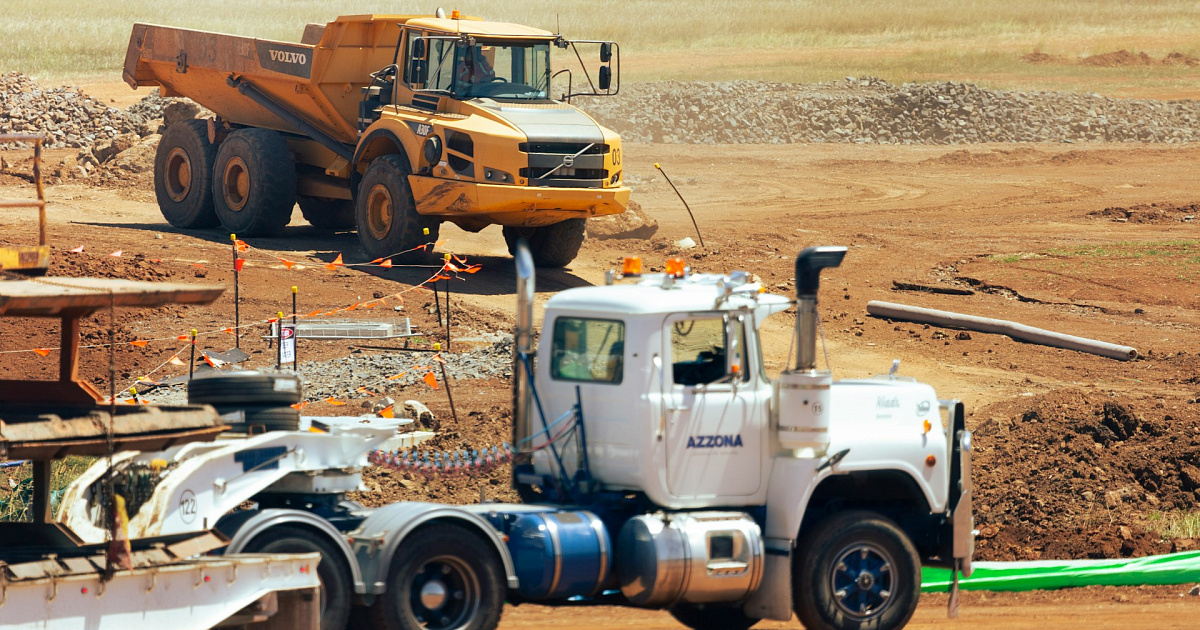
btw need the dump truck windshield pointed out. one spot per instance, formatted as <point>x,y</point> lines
<point>503,71</point>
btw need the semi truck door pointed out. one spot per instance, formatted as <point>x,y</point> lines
<point>715,411</point>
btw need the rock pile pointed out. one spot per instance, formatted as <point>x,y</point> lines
<point>870,110</point>
<point>67,117</point>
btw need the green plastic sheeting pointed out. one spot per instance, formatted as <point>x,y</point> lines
<point>1176,568</point>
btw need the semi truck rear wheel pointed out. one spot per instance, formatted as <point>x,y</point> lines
<point>856,570</point>
<point>552,245</point>
<point>337,588</point>
<point>388,222</point>
<point>183,168</point>
<point>712,616</point>
<point>444,577</point>
<point>324,213</point>
<point>254,183</point>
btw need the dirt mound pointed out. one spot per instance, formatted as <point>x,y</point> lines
<point>1159,212</point>
<point>1118,58</point>
<point>104,265</point>
<point>1180,59</point>
<point>1073,474</point>
<point>67,117</point>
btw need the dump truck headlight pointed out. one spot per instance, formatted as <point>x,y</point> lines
<point>432,150</point>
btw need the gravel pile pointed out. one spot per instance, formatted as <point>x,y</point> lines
<point>341,378</point>
<point>67,117</point>
<point>870,110</point>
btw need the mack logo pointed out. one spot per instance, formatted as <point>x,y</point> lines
<point>884,402</point>
<point>284,56</point>
<point>714,441</point>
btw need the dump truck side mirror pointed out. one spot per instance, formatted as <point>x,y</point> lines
<point>605,80</point>
<point>605,52</point>
<point>418,48</point>
<point>417,69</point>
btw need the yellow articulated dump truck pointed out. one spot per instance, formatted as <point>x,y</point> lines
<point>391,124</point>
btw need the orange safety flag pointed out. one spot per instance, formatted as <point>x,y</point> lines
<point>396,376</point>
<point>438,358</point>
<point>77,250</point>
<point>364,390</point>
<point>431,380</point>
<point>333,401</point>
<point>241,245</point>
<point>314,313</point>
<point>461,260</point>
<point>198,265</point>
<point>175,361</point>
<point>208,360</point>
<point>41,351</point>
<point>353,306</point>
<point>337,262</point>
<point>287,263</point>
<point>183,337</point>
<point>376,261</point>
<point>387,264</point>
<point>388,412</point>
<point>371,304</point>
<point>116,254</point>
<point>238,263</point>
<point>299,405</point>
<point>139,343</point>
<point>227,330</point>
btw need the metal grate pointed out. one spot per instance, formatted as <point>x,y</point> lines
<point>348,329</point>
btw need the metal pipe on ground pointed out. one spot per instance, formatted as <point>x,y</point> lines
<point>1015,330</point>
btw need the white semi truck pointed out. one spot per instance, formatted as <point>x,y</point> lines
<point>659,465</point>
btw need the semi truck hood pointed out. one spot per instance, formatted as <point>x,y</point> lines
<point>556,122</point>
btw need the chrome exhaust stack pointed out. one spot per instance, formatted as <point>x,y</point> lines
<point>809,264</point>
<point>803,395</point>
<point>523,345</point>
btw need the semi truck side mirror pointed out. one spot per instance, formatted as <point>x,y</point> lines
<point>605,53</point>
<point>605,80</point>
<point>418,49</point>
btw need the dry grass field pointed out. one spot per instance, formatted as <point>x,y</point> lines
<point>783,40</point>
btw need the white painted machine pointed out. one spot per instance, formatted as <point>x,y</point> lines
<point>660,467</point>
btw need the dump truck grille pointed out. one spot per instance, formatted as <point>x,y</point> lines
<point>565,164</point>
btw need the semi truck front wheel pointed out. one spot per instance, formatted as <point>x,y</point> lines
<point>856,570</point>
<point>183,170</point>
<point>254,183</point>
<point>388,223</point>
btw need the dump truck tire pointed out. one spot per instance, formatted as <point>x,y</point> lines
<point>856,570</point>
<point>183,170</point>
<point>324,213</point>
<point>259,418</point>
<point>244,388</point>
<point>552,245</point>
<point>388,223</point>
<point>254,183</point>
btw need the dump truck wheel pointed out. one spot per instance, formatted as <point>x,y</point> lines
<point>388,223</point>
<point>259,418</point>
<point>443,577</point>
<point>254,183</point>
<point>553,245</point>
<point>856,570</point>
<point>712,616</point>
<point>183,168</point>
<point>337,589</point>
<point>324,213</point>
<point>244,388</point>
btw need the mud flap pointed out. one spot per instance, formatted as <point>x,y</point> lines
<point>773,598</point>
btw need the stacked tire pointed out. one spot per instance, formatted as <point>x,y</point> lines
<point>250,401</point>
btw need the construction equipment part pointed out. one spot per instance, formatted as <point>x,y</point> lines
<point>28,259</point>
<point>397,123</point>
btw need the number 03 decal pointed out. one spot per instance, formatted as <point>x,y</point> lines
<point>616,157</point>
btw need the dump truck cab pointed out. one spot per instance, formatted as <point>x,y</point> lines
<point>389,123</point>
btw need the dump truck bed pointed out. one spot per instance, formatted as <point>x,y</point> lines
<point>320,82</point>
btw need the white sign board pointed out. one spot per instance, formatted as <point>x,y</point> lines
<point>287,343</point>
